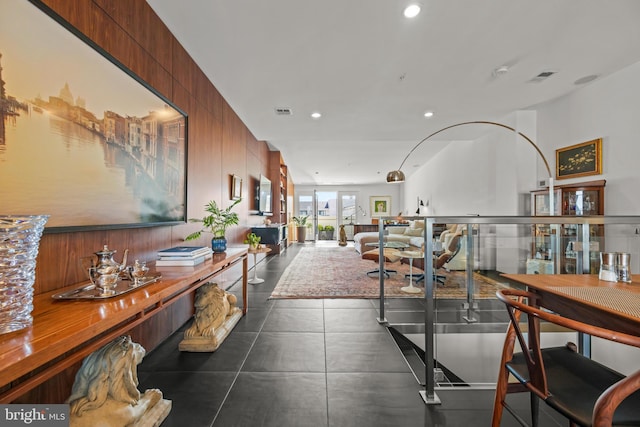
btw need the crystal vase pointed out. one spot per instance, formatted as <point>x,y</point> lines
<point>19,240</point>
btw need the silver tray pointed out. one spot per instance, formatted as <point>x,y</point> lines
<point>91,292</point>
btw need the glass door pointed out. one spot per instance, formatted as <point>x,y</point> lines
<point>347,202</point>
<point>326,214</point>
<point>305,207</point>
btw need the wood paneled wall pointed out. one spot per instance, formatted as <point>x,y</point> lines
<point>219,144</point>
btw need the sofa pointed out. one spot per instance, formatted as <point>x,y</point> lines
<point>413,234</point>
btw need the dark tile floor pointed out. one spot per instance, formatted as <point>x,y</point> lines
<point>294,363</point>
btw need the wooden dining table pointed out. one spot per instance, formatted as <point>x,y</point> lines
<point>583,297</point>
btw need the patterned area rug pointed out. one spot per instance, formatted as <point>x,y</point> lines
<point>340,272</point>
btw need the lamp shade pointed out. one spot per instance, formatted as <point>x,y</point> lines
<point>395,176</point>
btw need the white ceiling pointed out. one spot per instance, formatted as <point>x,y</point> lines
<point>373,73</point>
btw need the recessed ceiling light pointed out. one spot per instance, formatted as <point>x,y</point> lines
<point>500,71</point>
<point>428,114</point>
<point>316,115</point>
<point>411,11</point>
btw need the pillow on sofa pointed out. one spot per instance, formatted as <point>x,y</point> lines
<point>416,224</point>
<point>396,230</point>
<point>417,242</point>
<point>414,232</point>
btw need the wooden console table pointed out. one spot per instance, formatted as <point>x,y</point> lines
<point>363,228</point>
<point>65,332</point>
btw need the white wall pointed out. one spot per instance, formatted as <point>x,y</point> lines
<point>607,109</point>
<point>494,175</point>
<point>488,177</point>
<point>363,192</point>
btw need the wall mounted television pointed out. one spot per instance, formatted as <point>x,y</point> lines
<point>264,196</point>
<point>83,139</point>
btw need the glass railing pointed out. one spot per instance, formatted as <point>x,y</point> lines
<point>455,326</point>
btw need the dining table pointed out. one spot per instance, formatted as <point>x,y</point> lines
<point>586,298</point>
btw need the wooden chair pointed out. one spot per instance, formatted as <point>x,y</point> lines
<point>583,390</point>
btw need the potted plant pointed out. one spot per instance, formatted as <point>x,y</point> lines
<point>328,232</point>
<point>321,234</point>
<point>301,227</point>
<point>216,223</point>
<point>253,240</point>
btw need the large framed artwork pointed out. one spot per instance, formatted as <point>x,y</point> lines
<point>81,138</point>
<point>380,206</point>
<point>579,160</point>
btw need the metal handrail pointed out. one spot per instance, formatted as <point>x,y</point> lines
<point>428,394</point>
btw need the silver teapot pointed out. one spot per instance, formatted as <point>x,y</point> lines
<point>105,274</point>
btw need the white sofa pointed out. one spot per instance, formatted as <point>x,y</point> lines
<point>412,235</point>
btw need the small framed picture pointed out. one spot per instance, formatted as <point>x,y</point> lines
<point>579,160</point>
<point>380,206</point>
<point>236,187</point>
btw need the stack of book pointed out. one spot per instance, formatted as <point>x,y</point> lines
<point>183,256</point>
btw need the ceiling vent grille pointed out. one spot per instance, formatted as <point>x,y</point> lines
<point>542,76</point>
<point>283,111</point>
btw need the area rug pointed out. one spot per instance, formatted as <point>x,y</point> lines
<point>340,272</point>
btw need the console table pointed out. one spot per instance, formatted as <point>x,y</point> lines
<point>65,332</point>
<point>275,236</point>
<point>364,228</point>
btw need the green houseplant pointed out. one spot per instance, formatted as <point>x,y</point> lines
<point>301,227</point>
<point>216,223</point>
<point>329,231</point>
<point>253,240</point>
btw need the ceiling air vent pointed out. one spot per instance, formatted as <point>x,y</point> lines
<point>283,112</point>
<point>542,76</point>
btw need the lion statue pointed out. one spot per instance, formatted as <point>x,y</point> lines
<point>215,314</point>
<point>105,390</point>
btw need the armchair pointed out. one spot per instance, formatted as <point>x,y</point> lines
<point>452,242</point>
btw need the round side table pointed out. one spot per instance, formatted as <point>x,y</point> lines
<point>263,250</point>
<point>411,255</point>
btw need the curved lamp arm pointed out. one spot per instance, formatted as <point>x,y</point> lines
<point>397,176</point>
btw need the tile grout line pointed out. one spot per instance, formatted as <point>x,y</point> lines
<point>266,261</point>
<point>235,378</point>
<point>326,365</point>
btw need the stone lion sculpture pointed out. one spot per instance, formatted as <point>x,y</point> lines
<point>215,315</point>
<point>105,390</point>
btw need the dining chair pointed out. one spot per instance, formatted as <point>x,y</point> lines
<point>584,391</point>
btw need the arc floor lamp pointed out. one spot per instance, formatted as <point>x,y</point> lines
<point>397,176</point>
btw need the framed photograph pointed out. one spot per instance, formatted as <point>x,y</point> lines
<point>82,138</point>
<point>380,206</point>
<point>236,187</point>
<point>579,160</point>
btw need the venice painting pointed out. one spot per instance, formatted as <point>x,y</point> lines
<point>81,138</point>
